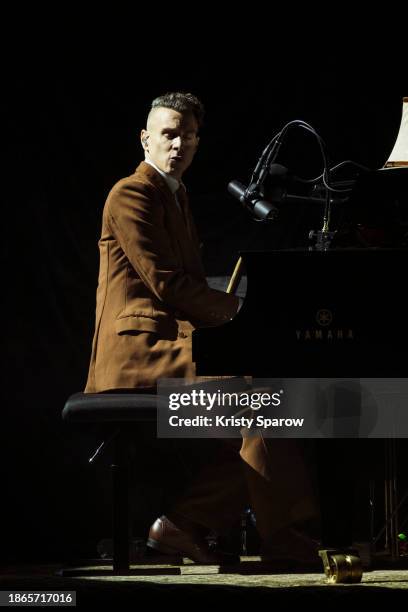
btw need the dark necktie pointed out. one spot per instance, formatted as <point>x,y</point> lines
<point>190,227</point>
<point>183,201</point>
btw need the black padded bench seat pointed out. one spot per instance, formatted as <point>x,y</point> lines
<point>110,407</point>
<point>121,410</point>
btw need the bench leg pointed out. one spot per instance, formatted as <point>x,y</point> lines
<point>120,485</point>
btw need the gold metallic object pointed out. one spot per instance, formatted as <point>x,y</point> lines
<point>341,566</point>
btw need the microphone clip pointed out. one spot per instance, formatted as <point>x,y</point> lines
<point>262,210</point>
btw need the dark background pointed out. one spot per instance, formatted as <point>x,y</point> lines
<point>69,136</point>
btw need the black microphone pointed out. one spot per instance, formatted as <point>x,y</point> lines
<point>261,209</point>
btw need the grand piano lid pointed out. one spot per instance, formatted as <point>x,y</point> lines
<point>399,154</point>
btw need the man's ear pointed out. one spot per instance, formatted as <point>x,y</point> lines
<point>144,137</point>
<point>197,141</point>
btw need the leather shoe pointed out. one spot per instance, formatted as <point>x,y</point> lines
<point>167,538</point>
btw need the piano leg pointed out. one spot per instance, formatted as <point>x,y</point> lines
<point>336,468</point>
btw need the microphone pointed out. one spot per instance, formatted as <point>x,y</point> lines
<point>265,210</point>
<point>260,208</point>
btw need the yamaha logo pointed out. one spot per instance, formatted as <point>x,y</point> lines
<point>324,317</point>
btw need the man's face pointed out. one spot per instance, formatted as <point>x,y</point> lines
<point>170,140</point>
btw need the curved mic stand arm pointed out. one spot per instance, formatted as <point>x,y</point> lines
<point>270,154</point>
<point>252,196</point>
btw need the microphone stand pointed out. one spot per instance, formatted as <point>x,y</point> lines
<point>260,207</point>
<point>323,239</point>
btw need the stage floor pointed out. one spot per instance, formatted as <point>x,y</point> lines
<point>193,584</point>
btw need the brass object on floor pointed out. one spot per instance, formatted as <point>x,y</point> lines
<point>341,565</point>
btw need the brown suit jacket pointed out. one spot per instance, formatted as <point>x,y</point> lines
<point>152,290</point>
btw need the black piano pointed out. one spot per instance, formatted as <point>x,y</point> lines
<point>339,313</point>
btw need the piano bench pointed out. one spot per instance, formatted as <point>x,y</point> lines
<point>118,412</point>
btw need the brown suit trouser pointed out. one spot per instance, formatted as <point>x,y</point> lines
<point>269,475</point>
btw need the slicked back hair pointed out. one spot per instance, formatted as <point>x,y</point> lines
<point>181,102</point>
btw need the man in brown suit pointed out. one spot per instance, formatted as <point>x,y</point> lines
<point>152,289</point>
<point>152,293</point>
